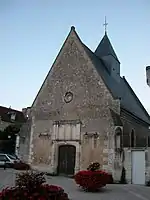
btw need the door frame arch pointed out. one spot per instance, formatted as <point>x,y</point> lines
<point>55,156</point>
<point>64,148</point>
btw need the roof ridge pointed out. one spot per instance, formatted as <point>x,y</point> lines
<point>4,107</point>
<point>5,115</point>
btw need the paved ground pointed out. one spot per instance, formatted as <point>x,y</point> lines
<point>7,178</point>
<point>111,192</point>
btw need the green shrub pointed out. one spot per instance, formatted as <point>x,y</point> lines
<point>30,180</point>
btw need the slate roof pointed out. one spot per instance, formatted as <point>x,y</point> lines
<point>105,48</point>
<point>122,90</point>
<point>5,115</point>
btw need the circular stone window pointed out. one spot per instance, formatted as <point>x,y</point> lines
<point>68,97</point>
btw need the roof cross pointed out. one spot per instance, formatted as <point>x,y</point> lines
<point>105,24</point>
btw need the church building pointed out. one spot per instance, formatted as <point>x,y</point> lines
<point>86,112</point>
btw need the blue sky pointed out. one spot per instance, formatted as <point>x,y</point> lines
<point>33,31</point>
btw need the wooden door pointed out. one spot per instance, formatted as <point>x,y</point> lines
<point>66,159</point>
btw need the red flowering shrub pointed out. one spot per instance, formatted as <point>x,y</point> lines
<point>43,192</point>
<point>29,186</point>
<point>92,179</point>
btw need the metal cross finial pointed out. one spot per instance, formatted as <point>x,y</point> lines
<point>105,24</point>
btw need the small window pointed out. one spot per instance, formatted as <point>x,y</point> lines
<point>13,116</point>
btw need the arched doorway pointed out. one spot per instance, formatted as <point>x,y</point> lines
<point>66,159</point>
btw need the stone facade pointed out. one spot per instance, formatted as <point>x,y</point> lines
<point>74,107</point>
<point>89,109</point>
<point>25,133</point>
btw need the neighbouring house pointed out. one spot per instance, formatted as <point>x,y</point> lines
<point>84,112</point>
<point>9,116</point>
<point>148,75</point>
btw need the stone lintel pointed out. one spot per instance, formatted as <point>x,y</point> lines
<point>63,122</point>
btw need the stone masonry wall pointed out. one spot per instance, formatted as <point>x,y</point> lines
<point>74,72</point>
<point>24,143</point>
<point>94,149</point>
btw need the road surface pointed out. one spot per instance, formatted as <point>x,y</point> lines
<point>111,192</point>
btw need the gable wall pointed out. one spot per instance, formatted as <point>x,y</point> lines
<point>73,71</point>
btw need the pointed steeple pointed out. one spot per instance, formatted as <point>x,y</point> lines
<point>105,48</point>
<point>106,52</point>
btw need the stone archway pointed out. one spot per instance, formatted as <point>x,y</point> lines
<point>66,159</point>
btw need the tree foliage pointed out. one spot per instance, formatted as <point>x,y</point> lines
<point>9,132</point>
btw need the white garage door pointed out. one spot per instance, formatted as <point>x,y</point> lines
<point>138,167</point>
